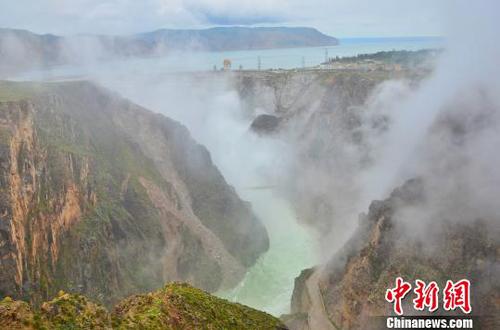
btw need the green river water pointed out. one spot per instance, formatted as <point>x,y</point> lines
<point>268,285</point>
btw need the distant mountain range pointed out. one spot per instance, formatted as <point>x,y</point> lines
<point>21,48</point>
<point>236,38</point>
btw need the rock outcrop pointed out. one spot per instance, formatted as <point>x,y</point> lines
<point>102,197</point>
<point>322,115</point>
<point>353,284</point>
<point>176,306</point>
<point>265,124</point>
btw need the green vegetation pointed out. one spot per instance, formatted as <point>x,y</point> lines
<point>180,306</point>
<point>403,57</point>
<point>11,91</point>
<point>5,136</point>
<point>65,312</point>
<point>78,144</point>
<point>176,306</point>
<point>16,315</point>
<point>71,311</point>
<point>102,218</point>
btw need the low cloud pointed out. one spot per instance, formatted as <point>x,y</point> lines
<point>337,17</point>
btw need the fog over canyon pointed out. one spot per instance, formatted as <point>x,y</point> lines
<point>301,194</point>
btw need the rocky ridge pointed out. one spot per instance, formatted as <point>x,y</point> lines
<point>353,283</point>
<point>176,306</point>
<point>102,197</point>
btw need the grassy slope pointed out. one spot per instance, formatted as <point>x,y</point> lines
<point>176,306</point>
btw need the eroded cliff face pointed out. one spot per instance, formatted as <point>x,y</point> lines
<point>102,197</point>
<point>352,285</point>
<point>39,201</point>
<point>328,119</point>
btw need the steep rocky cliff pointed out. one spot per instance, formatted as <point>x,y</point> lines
<point>325,117</point>
<point>102,197</point>
<point>353,284</point>
<point>176,306</point>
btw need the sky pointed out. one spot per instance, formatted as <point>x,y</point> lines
<point>340,18</point>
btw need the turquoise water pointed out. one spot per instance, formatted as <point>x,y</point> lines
<point>287,58</point>
<point>268,285</point>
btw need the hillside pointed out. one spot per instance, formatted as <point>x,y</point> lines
<point>237,38</point>
<point>307,108</point>
<point>102,197</point>
<point>176,306</point>
<point>20,49</point>
<point>433,228</point>
<point>353,283</point>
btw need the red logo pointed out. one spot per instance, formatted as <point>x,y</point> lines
<point>427,296</point>
<point>455,295</point>
<point>397,294</point>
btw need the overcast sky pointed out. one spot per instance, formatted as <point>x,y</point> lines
<point>341,18</point>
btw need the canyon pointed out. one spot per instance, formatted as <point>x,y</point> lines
<point>137,202</point>
<point>104,198</point>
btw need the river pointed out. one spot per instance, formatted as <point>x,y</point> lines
<point>213,116</point>
<point>268,285</point>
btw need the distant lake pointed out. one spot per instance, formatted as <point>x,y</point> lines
<point>311,56</point>
<point>284,58</point>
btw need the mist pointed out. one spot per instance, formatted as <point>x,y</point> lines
<point>321,171</point>
<point>446,131</point>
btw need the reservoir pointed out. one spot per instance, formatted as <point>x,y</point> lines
<point>284,58</point>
